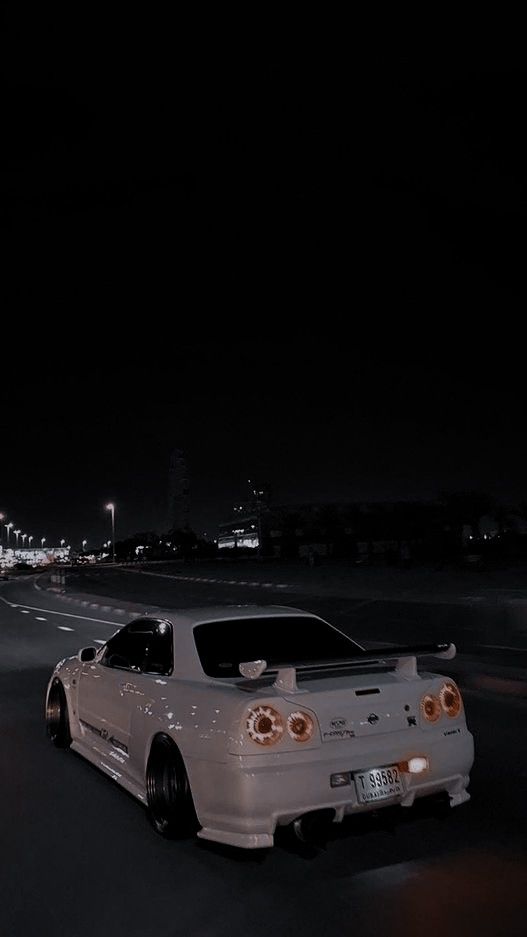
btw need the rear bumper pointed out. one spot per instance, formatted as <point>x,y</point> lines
<point>243,801</point>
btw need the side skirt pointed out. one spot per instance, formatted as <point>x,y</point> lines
<point>102,761</point>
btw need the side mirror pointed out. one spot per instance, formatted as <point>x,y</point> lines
<point>86,654</point>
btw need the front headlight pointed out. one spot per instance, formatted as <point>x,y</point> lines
<point>264,725</point>
<point>450,698</point>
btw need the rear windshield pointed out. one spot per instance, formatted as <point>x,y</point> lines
<point>223,645</point>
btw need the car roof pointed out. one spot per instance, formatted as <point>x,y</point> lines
<point>187,664</point>
<point>190,617</point>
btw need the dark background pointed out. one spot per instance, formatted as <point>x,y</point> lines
<point>299,263</point>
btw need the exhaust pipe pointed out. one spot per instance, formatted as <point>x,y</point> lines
<point>312,828</point>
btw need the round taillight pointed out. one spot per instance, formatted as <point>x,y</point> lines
<point>450,699</point>
<point>300,726</point>
<point>264,725</point>
<point>431,707</point>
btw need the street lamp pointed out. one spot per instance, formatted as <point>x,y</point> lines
<point>2,518</point>
<point>62,542</point>
<point>111,507</point>
<point>30,538</point>
<point>24,540</point>
<point>84,542</point>
<point>42,542</point>
<point>8,528</point>
<point>16,533</point>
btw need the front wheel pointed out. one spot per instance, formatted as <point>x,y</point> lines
<point>57,719</point>
<point>169,798</point>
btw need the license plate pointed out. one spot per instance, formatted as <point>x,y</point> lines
<point>378,783</point>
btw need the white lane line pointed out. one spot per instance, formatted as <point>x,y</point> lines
<point>39,618</point>
<point>24,612</point>
<point>98,641</point>
<point>101,621</point>
<point>64,628</point>
<point>503,647</point>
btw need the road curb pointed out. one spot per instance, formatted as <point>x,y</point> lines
<point>85,600</point>
<point>482,682</point>
<point>221,582</point>
<point>490,683</point>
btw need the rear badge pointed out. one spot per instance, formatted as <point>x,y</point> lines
<point>338,723</point>
<point>373,718</point>
<point>338,729</point>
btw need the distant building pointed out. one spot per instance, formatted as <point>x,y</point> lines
<point>363,530</point>
<point>241,533</point>
<point>178,492</point>
<point>34,556</point>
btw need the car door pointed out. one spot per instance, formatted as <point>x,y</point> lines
<point>150,688</point>
<point>108,689</point>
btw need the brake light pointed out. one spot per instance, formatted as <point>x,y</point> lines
<point>300,726</point>
<point>450,698</point>
<point>264,725</point>
<point>431,707</point>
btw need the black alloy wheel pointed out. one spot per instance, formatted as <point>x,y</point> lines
<point>169,798</point>
<point>57,719</point>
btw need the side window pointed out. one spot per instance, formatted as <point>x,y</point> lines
<point>144,645</point>
<point>159,653</point>
<point>126,650</point>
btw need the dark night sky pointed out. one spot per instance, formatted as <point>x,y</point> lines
<point>298,268</point>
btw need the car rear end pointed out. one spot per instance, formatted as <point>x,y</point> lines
<point>341,742</point>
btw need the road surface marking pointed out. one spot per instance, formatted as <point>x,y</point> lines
<point>503,647</point>
<point>39,618</point>
<point>101,621</point>
<point>24,611</point>
<point>98,641</point>
<point>65,628</point>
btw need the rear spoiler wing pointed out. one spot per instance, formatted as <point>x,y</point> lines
<point>405,663</point>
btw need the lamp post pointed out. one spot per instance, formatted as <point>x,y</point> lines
<point>30,538</point>
<point>2,518</point>
<point>8,528</point>
<point>62,542</point>
<point>42,542</point>
<point>16,533</point>
<point>84,542</point>
<point>24,536</point>
<point>111,507</point>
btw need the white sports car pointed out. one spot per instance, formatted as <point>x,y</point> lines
<point>234,720</point>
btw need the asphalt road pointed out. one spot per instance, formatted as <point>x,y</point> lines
<point>79,858</point>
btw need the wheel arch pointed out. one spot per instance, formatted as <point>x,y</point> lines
<point>158,735</point>
<point>191,822</point>
<point>67,682</point>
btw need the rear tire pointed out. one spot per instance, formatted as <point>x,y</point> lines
<point>169,798</point>
<point>57,718</point>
